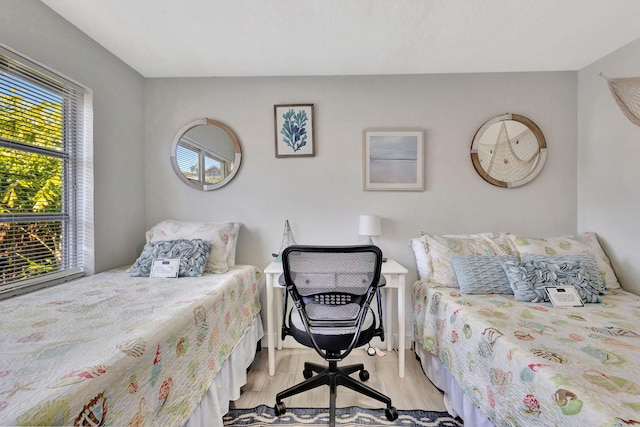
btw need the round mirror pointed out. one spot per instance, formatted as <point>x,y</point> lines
<point>508,150</point>
<point>205,154</point>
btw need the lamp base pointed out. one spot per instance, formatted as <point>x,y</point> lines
<point>371,242</point>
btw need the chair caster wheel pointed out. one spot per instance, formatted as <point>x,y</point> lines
<point>307,373</point>
<point>391,413</point>
<point>279,408</point>
<point>364,375</point>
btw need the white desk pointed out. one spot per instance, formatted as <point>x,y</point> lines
<point>393,272</point>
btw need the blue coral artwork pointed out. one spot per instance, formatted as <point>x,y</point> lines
<point>294,130</point>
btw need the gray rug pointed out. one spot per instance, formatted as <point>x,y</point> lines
<point>351,416</point>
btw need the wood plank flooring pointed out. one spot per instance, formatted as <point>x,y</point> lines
<point>414,391</point>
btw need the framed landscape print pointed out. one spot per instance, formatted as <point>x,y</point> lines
<point>294,130</point>
<point>393,160</point>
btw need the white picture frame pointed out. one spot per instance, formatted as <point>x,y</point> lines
<point>393,160</point>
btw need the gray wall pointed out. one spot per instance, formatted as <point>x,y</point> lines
<point>118,105</point>
<point>608,172</point>
<point>322,196</point>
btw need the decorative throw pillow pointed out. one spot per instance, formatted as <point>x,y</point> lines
<point>223,237</point>
<point>528,279</point>
<point>441,248</point>
<point>584,243</point>
<point>423,261</point>
<point>193,256</point>
<point>588,261</point>
<point>482,274</point>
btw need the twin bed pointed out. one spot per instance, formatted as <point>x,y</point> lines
<point>112,349</point>
<point>506,362</point>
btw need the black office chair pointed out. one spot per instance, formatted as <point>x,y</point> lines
<point>332,288</point>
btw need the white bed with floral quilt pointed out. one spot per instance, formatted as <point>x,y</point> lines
<point>115,349</point>
<point>504,360</point>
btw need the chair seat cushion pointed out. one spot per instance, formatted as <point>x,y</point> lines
<point>332,338</point>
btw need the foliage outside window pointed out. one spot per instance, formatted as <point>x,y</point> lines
<point>40,173</point>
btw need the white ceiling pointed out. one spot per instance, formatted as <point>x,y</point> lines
<point>184,38</point>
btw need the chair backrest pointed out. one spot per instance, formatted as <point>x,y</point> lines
<point>332,286</point>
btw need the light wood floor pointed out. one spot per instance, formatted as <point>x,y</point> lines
<point>414,391</point>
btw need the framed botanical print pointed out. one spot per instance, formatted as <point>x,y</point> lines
<point>294,130</point>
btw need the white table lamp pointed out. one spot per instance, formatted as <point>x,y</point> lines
<point>370,226</point>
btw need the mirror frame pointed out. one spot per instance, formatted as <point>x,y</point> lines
<point>236,147</point>
<point>542,151</point>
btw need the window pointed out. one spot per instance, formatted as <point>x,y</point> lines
<point>45,176</point>
<point>193,159</point>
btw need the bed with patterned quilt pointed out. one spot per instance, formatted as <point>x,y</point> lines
<point>123,350</point>
<point>506,356</point>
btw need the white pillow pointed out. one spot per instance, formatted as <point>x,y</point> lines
<point>223,237</point>
<point>423,260</point>
<point>440,250</point>
<point>585,243</point>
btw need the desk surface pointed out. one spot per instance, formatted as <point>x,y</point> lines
<point>390,266</point>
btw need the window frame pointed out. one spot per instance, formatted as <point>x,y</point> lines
<point>76,212</point>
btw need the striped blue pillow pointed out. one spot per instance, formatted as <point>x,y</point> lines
<point>482,274</point>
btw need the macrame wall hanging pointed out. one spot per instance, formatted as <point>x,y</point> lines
<point>626,92</point>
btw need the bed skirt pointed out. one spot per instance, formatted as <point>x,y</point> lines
<point>456,402</point>
<point>226,386</point>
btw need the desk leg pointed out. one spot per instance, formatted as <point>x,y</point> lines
<point>401,320</point>
<point>388,296</point>
<point>270,329</point>
<point>279,296</point>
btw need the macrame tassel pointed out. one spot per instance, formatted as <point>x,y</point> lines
<point>626,92</point>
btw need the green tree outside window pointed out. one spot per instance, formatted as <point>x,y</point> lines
<point>31,183</point>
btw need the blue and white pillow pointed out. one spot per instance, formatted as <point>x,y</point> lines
<point>529,278</point>
<point>588,261</point>
<point>193,256</point>
<point>482,274</point>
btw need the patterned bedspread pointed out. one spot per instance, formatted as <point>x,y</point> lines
<point>526,364</point>
<point>116,350</point>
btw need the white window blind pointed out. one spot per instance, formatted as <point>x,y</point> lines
<point>46,182</point>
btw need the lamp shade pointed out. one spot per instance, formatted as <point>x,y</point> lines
<point>369,225</point>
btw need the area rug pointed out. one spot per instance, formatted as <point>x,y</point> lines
<point>345,417</point>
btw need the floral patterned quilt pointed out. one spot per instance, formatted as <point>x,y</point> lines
<point>117,350</point>
<point>526,364</point>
